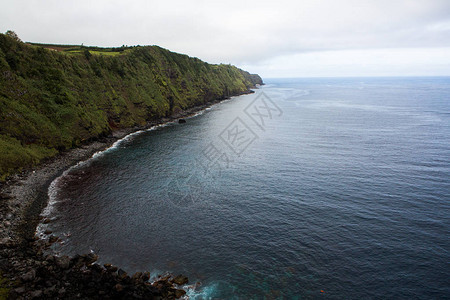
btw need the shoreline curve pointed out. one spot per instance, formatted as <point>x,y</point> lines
<point>25,196</point>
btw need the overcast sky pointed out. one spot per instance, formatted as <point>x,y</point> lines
<point>282,38</point>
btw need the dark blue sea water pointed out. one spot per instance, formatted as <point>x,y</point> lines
<point>331,188</point>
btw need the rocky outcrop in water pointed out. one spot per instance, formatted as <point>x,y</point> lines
<point>34,275</point>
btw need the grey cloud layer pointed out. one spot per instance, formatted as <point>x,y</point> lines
<point>234,31</point>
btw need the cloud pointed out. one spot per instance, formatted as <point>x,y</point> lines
<point>360,62</point>
<point>238,32</point>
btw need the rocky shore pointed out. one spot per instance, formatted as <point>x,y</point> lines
<point>36,276</point>
<point>28,273</point>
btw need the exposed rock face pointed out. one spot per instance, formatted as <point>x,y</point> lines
<point>255,79</point>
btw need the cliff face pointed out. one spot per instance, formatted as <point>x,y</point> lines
<point>51,101</point>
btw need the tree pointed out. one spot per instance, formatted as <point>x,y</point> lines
<point>87,54</point>
<point>13,35</point>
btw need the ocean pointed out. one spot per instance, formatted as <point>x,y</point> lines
<point>336,188</point>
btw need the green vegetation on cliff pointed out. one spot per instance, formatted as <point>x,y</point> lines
<point>52,100</point>
<point>3,288</point>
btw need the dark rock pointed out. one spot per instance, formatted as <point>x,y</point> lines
<point>146,276</point>
<point>6,242</point>
<point>20,290</point>
<point>50,290</point>
<point>63,262</point>
<point>110,268</point>
<point>91,258</point>
<point>48,283</point>
<point>180,280</point>
<point>36,294</point>
<point>137,276</point>
<point>62,291</point>
<point>48,231</point>
<point>52,239</point>
<point>179,293</point>
<point>181,121</point>
<point>77,261</point>
<point>30,276</point>
<point>122,273</point>
<point>96,268</point>
<point>118,287</point>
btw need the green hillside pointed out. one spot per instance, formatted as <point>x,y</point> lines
<point>53,98</point>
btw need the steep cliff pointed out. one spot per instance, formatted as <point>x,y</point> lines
<point>53,100</point>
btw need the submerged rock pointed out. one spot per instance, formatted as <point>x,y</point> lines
<point>52,239</point>
<point>181,121</point>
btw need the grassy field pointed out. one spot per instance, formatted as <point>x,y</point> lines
<point>79,49</point>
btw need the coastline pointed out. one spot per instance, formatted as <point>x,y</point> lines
<point>25,195</point>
